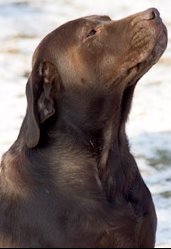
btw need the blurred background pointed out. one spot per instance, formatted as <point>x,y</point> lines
<point>23,23</point>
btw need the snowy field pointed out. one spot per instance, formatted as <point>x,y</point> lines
<point>23,23</point>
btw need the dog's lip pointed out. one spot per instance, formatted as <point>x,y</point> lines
<point>160,45</point>
<point>152,58</point>
<point>158,49</point>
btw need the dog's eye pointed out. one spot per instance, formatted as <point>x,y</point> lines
<point>92,32</point>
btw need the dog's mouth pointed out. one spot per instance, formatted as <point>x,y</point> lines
<point>161,44</point>
<point>150,59</point>
<point>157,51</point>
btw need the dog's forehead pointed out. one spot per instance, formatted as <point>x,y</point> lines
<point>63,31</point>
<point>98,18</point>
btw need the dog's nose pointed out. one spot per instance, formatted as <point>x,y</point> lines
<point>151,14</point>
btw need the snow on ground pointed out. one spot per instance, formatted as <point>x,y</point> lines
<point>25,22</point>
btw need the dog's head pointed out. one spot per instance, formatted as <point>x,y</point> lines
<point>91,51</point>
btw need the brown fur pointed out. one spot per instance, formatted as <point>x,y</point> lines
<point>70,180</point>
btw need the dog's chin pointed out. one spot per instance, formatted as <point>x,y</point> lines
<point>150,59</point>
<point>160,46</point>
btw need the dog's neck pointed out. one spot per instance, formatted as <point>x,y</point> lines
<point>99,118</point>
<point>100,125</point>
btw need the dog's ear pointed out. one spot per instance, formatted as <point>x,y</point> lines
<point>40,91</point>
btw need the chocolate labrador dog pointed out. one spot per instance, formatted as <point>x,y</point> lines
<point>70,181</point>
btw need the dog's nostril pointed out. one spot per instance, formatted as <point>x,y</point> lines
<point>151,14</point>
